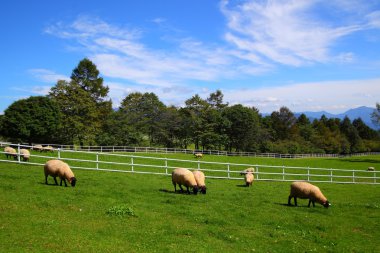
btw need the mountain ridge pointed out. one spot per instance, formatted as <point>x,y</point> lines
<point>362,112</point>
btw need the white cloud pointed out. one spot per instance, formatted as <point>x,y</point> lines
<point>290,32</point>
<point>47,76</point>
<point>332,96</point>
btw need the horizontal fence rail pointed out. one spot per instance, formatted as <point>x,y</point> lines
<point>129,149</point>
<point>114,162</point>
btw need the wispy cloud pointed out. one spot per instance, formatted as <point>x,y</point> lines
<point>291,32</point>
<point>47,76</point>
<point>260,37</point>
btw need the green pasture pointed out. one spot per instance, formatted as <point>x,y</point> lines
<point>128,212</point>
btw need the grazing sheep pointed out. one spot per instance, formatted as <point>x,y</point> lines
<point>305,190</point>
<point>371,169</point>
<point>57,168</point>
<point>47,148</point>
<point>38,148</point>
<point>25,154</point>
<point>200,179</point>
<point>9,152</point>
<point>198,155</point>
<point>248,176</point>
<point>184,177</point>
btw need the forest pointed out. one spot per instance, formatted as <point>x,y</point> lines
<point>80,112</point>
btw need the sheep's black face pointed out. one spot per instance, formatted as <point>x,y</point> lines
<point>327,204</point>
<point>203,189</point>
<point>73,181</point>
<point>195,190</point>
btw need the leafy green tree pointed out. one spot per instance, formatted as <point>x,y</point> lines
<point>145,111</point>
<point>83,102</point>
<point>283,123</point>
<point>33,120</point>
<point>117,130</point>
<point>352,135</point>
<point>86,75</point>
<point>242,128</point>
<point>215,100</point>
<point>375,116</point>
<point>364,131</point>
<point>195,109</point>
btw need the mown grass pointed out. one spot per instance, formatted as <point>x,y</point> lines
<point>35,217</point>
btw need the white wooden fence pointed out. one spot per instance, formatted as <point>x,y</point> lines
<point>129,149</point>
<point>125,163</point>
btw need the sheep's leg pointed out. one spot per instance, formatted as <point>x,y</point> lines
<point>180,186</point>
<point>187,189</point>
<point>309,203</point>
<point>175,187</point>
<point>289,200</point>
<point>46,182</point>
<point>295,201</point>
<point>55,180</point>
<point>64,180</point>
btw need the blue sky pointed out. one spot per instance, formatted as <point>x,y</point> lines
<point>308,55</point>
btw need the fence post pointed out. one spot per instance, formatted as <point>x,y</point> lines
<point>18,151</point>
<point>166,166</point>
<point>353,176</point>
<point>257,171</point>
<point>308,174</point>
<point>132,163</point>
<point>331,175</point>
<point>199,164</point>
<point>228,169</point>
<point>59,154</point>
<point>97,160</point>
<point>374,177</point>
<point>283,173</point>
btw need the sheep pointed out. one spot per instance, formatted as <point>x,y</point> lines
<point>305,190</point>
<point>198,155</point>
<point>371,169</point>
<point>248,176</point>
<point>61,169</point>
<point>25,154</point>
<point>200,179</point>
<point>47,148</point>
<point>38,148</point>
<point>9,152</point>
<point>184,177</point>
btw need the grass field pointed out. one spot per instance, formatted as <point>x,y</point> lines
<point>124,212</point>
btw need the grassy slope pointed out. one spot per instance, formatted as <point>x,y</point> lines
<point>35,217</point>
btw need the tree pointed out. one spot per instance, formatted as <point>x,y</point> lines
<point>145,111</point>
<point>215,100</point>
<point>83,103</point>
<point>86,75</point>
<point>283,123</point>
<point>117,130</point>
<point>33,120</point>
<point>242,129</point>
<point>375,116</point>
<point>364,131</point>
<point>195,109</point>
<point>352,135</point>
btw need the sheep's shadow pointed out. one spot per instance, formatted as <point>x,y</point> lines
<point>172,192</point>
<point>285,204</point>
<point>242,185</point>
<point>48,184</point>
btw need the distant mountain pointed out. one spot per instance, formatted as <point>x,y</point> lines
<point>362,112</point>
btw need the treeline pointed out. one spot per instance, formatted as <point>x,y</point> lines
<point>79,112</point>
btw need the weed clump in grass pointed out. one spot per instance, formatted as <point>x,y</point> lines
<point>120,211</point>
